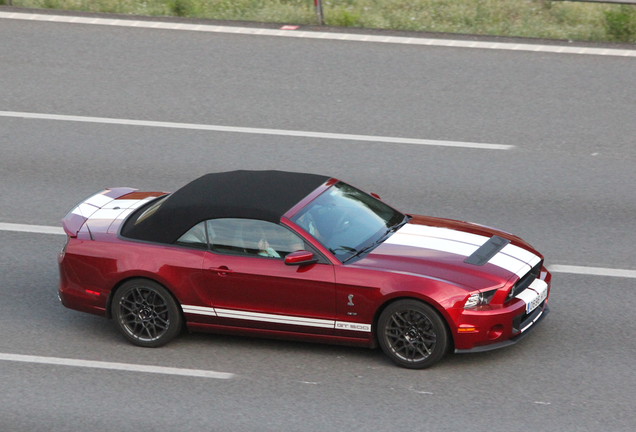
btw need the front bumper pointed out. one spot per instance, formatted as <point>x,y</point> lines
<point>529,324</point>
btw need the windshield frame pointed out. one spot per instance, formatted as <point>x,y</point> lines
<point>375,208</point>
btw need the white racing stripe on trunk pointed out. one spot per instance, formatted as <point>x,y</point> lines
<point>107,214</point>
<point>98,200</point>
<point>57,361</point>
<point>85,210</point>
<point>121,203</point>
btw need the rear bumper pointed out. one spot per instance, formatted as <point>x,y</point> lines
<point>531,323</point>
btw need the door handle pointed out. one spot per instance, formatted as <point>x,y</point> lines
<point>222,271</point>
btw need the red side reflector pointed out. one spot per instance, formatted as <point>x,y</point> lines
<point>92,292</point>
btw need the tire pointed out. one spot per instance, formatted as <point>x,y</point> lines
<point>145,313</point>
<point>412,334</point>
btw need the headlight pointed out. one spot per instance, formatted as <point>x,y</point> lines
<point>479,299</point>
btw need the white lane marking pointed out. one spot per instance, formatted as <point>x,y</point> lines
<point>554,268</point>
<point>593,271</point>
<point>557,49</point>
<point>115,366</point>
<point>38,229</point>
<point>260,131</point>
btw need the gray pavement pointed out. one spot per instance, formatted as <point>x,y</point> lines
<point>567,187</point>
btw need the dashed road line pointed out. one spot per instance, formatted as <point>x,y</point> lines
<point>58,361</point>
<point>38,229</point>
<point>557,49</point>
<point>259,131</point>
<point>555,268</point>
<point>592,271</point>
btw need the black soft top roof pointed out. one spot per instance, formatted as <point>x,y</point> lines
<point>264,195</point>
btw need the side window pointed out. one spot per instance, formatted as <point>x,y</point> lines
<point>252,237</point>
<point>195,237</point>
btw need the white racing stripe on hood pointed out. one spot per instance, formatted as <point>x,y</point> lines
<point>512,258</point>
<point>443,233</point>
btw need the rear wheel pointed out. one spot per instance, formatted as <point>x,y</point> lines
<point>412,334</point>
<point>145,313</point>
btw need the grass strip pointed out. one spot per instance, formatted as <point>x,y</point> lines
<point>525,18</point>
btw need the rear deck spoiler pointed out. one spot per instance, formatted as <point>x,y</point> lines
<point>74,219</point>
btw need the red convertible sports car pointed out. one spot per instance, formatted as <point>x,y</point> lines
<point>300,256</point>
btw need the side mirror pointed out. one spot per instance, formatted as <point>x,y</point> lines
<point>301,257</point>
<point>375,195</point>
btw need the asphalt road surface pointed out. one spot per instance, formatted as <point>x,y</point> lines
<point>567,186</point>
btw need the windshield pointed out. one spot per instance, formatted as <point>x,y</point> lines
<point>348,221</point>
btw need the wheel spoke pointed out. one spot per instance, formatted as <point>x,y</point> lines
<point>144,313</point>
<point>410,335</point>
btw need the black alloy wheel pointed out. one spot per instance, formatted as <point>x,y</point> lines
<point>146,313</point>
<point>412,334</point>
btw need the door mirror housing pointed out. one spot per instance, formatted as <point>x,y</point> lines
<point>301,257</point>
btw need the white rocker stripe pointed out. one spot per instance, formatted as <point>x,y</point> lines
<point>273,318</point>
<point>281,319</point>
<point>198,310</point>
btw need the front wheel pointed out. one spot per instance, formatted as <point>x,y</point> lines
<point>145,313</point>
<point>412,334</point>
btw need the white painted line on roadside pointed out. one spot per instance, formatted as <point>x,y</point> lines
<point>58,361</point>
<point>557,49</point>
<point>259,131</point>
<point>38,229</point>
<point>592,271</point>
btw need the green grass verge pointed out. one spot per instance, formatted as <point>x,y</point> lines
<point>527,18</point>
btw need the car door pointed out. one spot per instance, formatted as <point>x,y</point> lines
<point>247,283</point>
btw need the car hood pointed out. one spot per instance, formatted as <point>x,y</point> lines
<point>438,248</point>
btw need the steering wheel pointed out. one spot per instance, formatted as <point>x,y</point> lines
<point>343,224</point>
